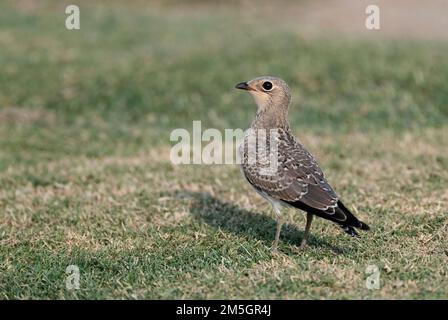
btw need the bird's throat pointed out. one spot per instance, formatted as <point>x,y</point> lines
<point>271,118</point>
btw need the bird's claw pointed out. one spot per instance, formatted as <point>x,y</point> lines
<point>303,245</point>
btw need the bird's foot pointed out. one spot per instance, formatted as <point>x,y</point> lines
<point>303,245</point>
<point>274,248</point>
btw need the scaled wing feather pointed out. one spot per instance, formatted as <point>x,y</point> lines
<point>297,176</point>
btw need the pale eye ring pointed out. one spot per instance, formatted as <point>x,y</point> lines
<point>267,86</point>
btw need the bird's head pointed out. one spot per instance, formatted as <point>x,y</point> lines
<point>268,92</point>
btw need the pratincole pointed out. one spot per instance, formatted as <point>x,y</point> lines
<point>281,169</point>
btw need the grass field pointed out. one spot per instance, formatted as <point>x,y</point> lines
<point>85,176</point>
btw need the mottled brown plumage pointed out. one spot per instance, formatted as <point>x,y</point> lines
<point>280,168</point>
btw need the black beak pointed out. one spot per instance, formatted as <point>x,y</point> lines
<point>242,86</point>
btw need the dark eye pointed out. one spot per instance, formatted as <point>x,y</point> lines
<point>267,85</point>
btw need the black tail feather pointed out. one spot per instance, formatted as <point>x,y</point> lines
<point>348,225</point>
<point>350,230</point>
<point>351,221</point>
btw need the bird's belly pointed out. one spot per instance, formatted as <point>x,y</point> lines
<point>274,202</point>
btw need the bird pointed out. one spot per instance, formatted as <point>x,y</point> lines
<point>279,167</point>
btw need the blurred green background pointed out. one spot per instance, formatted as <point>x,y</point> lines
<point>85,118</point>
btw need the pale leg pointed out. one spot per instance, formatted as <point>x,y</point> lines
<point>279,229</point>
<point>309,219</point>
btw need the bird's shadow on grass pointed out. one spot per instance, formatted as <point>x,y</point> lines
<point>241,222</point>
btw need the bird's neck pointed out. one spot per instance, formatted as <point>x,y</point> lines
<point>271,118</point>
